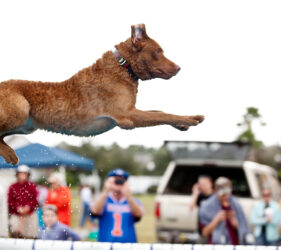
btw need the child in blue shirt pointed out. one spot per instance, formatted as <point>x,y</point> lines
<point>53,229</point>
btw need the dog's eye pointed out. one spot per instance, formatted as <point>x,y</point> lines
<point>159,51</point>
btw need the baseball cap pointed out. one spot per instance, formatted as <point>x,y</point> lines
<point>224,190</point>
<point>223,186</point>
<point>119,172</point>
<point>23,169</point>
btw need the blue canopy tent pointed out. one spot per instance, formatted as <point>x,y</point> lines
<point>40,156</point>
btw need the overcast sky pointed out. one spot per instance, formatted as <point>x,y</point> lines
<point>229,53</point>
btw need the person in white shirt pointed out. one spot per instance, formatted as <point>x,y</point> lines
<point>86,199</point>
<point>3,213</point>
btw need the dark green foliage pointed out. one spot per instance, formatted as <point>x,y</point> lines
<point>268,155</point>
<point>133,159</point>
<point>247,135</point>
<point>152,189</point>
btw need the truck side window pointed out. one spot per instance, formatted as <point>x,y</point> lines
<point>184,177</point>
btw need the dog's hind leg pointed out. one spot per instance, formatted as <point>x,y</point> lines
<point>14,111</point>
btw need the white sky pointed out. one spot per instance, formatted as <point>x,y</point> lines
<point>229,53</point>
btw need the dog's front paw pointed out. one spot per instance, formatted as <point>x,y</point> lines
<point>194,120</point>
<point>199,118</point>
<point>181,127</point>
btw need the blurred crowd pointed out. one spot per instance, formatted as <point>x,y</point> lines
<point>222,220</point>
<point>44,211</point>
<point>39,211</point>
<point>34,211</point>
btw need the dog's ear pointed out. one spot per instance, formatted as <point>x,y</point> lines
<point>138,35</point>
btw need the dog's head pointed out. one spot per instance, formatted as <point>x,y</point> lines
<point>147,57</point>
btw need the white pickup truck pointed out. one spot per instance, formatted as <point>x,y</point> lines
<point>175,222</point>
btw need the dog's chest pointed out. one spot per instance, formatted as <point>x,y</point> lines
<point>98,126</point>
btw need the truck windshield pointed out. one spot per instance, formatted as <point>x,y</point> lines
<point>184,177</point>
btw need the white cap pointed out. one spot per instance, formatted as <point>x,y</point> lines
<point>223,186</point>
<point>23,169</point>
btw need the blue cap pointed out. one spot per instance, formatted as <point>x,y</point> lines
<point>119,172</point>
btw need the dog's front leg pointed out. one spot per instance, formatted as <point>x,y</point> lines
<point>138,118</point>
<point>179,127</point>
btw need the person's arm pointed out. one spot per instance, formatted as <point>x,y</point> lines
<point>208,229</point>
<point>136,209</point>
<point>232,218</point>
<point>12,205</point>
<point>71,234</point>
<point>98,206</point>
<point>255,219</point>
<point>194,196</point>
<point>275,218</point>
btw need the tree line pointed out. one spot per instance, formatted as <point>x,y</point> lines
<point>136,159</point>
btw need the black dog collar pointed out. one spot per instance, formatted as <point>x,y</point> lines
<point>124,63</point>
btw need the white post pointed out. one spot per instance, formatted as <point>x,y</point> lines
<point>62,171</point>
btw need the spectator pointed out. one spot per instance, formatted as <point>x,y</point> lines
<point>3,213</point>
<point>22,203</point>
<point>42,195</point>
<point>201,191</point>
<point>86,198</point>
<point>266,218</point>
<point>117,209</point>
<point>60,196</point>
<point>220,216</point>
<point>53,229</point>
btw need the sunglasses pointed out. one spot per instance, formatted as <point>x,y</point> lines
<point>266,195</point>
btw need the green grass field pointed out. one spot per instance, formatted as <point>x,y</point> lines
<point>145,228</point>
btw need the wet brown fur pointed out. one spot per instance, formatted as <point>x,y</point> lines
<point>105,88</point>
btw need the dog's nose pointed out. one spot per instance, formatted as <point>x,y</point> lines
<point>178,68</point>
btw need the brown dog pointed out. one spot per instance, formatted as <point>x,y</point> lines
<point>93,101</point>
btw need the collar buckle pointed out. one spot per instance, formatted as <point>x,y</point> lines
<point>124,64</point>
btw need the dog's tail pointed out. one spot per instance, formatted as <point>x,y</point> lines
<point>7,152</point>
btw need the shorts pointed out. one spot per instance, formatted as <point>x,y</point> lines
<point>26,226</point>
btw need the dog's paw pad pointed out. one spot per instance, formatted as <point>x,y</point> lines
<point>182,127</point>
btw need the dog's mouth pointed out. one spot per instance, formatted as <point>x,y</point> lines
<point>165,74</point>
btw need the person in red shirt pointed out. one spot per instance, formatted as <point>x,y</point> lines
<point>60,196</point>
<point>22,204</point>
